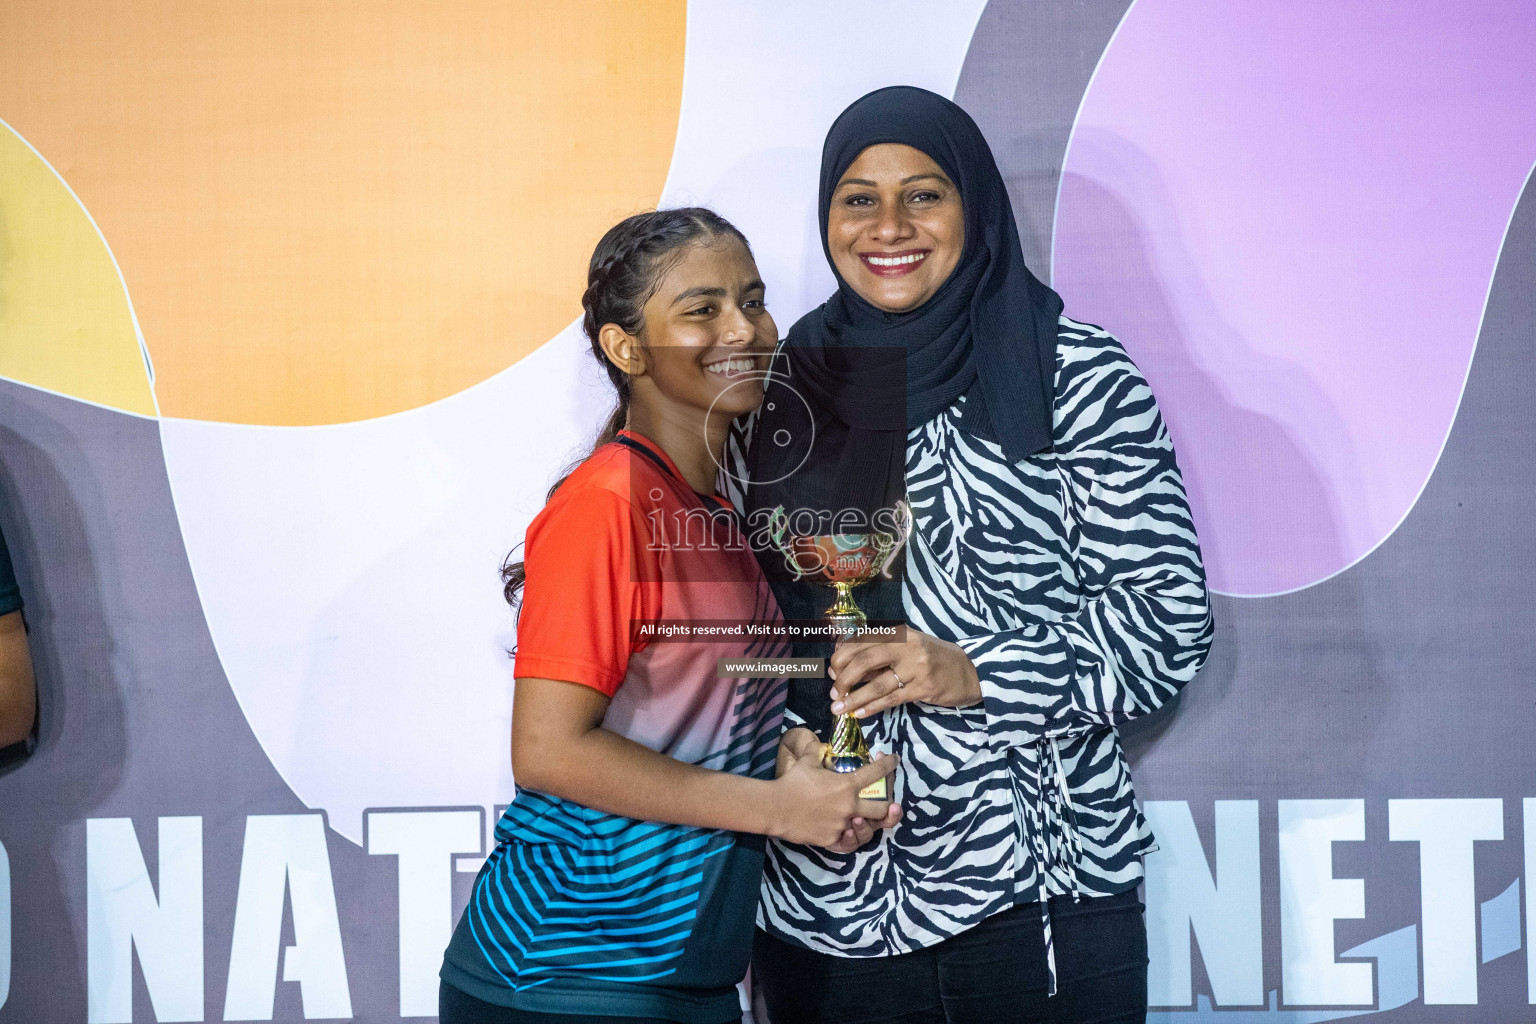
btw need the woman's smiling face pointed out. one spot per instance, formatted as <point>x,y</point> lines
<point>895,227</point>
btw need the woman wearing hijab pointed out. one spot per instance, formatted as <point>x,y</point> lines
<point>1053,589</point>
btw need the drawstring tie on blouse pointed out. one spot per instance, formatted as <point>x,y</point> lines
<point>1054,847</point>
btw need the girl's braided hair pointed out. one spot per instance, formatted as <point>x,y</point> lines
<point>626,267</point>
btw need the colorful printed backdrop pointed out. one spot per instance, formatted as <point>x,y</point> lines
<point>288,358</point>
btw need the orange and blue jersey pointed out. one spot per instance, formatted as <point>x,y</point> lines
<point>582,912</point>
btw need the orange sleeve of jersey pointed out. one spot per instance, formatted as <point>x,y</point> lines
<point>590,574</point>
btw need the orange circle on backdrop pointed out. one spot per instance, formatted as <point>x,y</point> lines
<point>329,212</point>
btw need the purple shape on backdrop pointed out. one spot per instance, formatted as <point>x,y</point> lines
<point>1290,214</point>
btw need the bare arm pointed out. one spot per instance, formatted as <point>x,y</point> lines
<point>18,691</point>
<point>560,747</point>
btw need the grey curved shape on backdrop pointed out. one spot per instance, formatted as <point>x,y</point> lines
<point>136,718</point>
<point>1023,80</point>
<point>1406,676</point>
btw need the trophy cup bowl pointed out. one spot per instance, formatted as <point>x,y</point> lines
<point>846,560</point>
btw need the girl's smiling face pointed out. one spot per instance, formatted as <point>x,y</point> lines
<point>707,336</point>
<point>895,227</point>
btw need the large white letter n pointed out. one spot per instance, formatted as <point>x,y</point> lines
<point>122,914</point>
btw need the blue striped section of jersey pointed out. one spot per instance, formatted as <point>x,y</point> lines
<point>571,890</point>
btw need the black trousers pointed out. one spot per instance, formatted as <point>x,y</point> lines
<point>992,974</point>
<point>455,1006</point>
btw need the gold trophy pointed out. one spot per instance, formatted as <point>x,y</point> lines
<point>846,560</point>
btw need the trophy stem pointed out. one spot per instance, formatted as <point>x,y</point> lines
<point>848,739</point>
<point>843,611</point>
<point>847,750</point>
<point>848,753</point>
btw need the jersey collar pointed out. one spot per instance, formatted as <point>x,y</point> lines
<point>651,450</point>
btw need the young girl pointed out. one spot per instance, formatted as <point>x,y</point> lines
<point>625,878</point>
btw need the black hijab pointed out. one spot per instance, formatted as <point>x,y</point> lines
<point>863,376</point>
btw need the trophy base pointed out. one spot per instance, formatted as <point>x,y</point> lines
<point>880,789</point>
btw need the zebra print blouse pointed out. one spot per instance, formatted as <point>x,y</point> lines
<point>1073,580</point>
